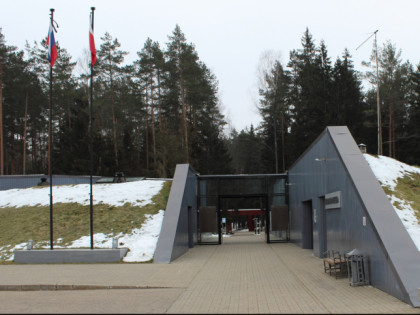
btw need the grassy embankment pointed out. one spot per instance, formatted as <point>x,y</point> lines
<point>408,189</point>
<point>71,221</point>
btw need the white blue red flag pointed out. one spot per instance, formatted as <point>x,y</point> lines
<point>52,47</point>
<point>92,41</point>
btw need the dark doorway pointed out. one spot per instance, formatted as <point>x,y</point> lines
<point>307,233</point>
<point>190,228</point>
<point>323,222</point>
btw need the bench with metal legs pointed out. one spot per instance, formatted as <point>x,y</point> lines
<point>334,263</point>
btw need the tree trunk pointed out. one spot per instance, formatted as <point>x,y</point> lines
<point>1,121</point>
<point>114,132</point>
<point>34,152</point>
<point>282,141</point>
<point>25,119</point>
<point>147,129</point>
<point>391,144</point>
<point>12,154</point>
<point>159,101</point>
<point>184,116</point>
<point>153,131</point>
<point>69,114</point>
<point>275,146</point>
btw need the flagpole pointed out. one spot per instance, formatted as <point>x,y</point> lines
<point>91,140</point>
<point>50,150</point>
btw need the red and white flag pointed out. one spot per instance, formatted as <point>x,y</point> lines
<point>92,41</point>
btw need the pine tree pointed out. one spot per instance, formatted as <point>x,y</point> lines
<point>409,146</point>
<point>309,96</point>
<point>3,50</point>
<point>276,118</point>
<point>245,149</point>
<point>347,108</point>
<point>75,139</point>
<point>182,61</point>
<point>395,77</point>
<point>22,99</point>
<point>209,151</point>
<point>151,74</point>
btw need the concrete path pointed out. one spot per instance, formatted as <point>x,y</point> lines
<point>243,275</point>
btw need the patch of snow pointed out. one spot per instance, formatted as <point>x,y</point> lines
<point>388,171</point>
<point>141,242</point>
<point>138,193</point>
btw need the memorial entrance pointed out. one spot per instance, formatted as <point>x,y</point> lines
<point>229,203</point>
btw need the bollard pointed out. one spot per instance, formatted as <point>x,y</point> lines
<point>115,243</point>
<point>30,245</point>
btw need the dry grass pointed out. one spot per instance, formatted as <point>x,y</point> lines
<point>408,189</point>
<point>72,221</point>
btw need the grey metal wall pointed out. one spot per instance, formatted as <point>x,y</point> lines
<point>334,163</point>
<point>174,236</point>
<point>26,181</point>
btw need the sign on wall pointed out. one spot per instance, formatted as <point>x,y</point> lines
<point>333,200</point>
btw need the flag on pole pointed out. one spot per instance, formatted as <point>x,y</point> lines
<point>92,41</point>
<point>52,47</point>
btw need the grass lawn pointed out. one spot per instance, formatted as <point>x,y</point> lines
<point>72,221</point>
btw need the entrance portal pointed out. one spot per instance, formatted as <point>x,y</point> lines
<point>257,203</point>
<point>239,213</point>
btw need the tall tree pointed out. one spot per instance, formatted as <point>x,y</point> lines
<point>209,146</point>
<point>182,61</point>
<point>394,75</point>
<point>38,66</point>
<point>393,78</point>
<point>409,150</point>
<point>309,98</point>
<point>150,70</point>
<point>245,149</point>
<point>21,89</point>
<point>276,117</point>
<point>348,107</point>
<point>110,71</point>
<point>2,60</point>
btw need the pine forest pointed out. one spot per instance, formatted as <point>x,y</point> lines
<point>164,109</point>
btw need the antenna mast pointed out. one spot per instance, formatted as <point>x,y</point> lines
<point>378,106</point>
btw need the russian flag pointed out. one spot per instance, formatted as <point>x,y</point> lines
<point>52,47</point>
<point>92,41</point>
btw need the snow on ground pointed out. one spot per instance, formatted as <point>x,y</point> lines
<point>387,171</point>
<point>140,242</point>
<point>138,193</point>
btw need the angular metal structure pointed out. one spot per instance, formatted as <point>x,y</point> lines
<point>178,234</point>
<point>336,202</point>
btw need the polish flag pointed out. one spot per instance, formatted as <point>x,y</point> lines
<point>92,41</point>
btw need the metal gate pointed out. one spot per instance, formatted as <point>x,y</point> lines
<point>269,191</point>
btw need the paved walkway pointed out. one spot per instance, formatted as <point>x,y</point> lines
<point>243,275</point>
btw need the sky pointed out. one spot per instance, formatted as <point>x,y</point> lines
<point>230,36</point>
<point>142,241</point>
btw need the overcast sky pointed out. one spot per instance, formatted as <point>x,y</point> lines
<point>230,36</point>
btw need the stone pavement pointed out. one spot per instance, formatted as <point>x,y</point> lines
<point>243,275</point>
